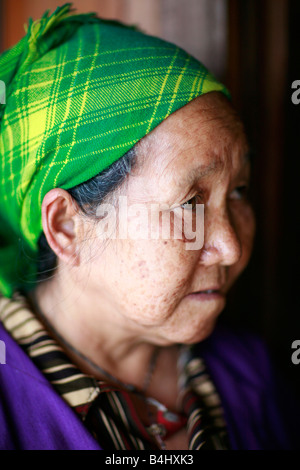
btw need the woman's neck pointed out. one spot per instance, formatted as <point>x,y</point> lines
<point>97,346</point>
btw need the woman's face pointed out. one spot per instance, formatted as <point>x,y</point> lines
<point>156,288</point>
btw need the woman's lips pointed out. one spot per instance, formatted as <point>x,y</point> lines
<point>208,294</point>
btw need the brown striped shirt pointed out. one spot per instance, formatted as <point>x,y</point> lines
<point>118,418</point>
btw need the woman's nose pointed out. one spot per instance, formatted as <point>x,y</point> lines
<point>221,243</point>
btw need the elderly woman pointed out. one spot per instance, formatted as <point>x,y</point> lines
<point>109,334</point>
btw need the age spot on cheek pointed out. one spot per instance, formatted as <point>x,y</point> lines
<point>143,270</point>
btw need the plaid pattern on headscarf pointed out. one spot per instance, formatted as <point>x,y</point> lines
<point>80,92</point>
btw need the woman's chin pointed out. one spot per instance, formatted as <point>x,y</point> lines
<point>201,334</point>
<point>202,328</point>
<point>190,336</point>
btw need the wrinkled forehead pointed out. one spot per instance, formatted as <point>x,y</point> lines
<point>205,134</point>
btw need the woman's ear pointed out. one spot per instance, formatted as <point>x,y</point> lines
<point>61,225</point>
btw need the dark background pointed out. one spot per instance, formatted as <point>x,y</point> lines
<point>253,46</point>
<point>264,47</point>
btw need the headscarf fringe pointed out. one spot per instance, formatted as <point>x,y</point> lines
<point>40,38</point>
<point>38,31</point>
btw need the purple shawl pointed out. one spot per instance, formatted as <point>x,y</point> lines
<point>259,412</point>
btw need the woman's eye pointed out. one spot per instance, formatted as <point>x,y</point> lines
<point>240,192</point>
<point>192,203</point>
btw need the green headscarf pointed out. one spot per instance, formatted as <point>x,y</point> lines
<point>80,92</point>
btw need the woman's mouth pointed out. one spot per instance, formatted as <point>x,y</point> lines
<point>207,294</point>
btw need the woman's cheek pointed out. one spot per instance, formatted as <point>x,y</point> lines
<point>156,279</point>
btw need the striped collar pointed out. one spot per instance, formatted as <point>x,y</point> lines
<point>117,418</point>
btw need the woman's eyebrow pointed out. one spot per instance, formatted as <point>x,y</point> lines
<point>201,171</point>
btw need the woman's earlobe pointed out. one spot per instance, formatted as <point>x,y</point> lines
<point>59,218</point>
